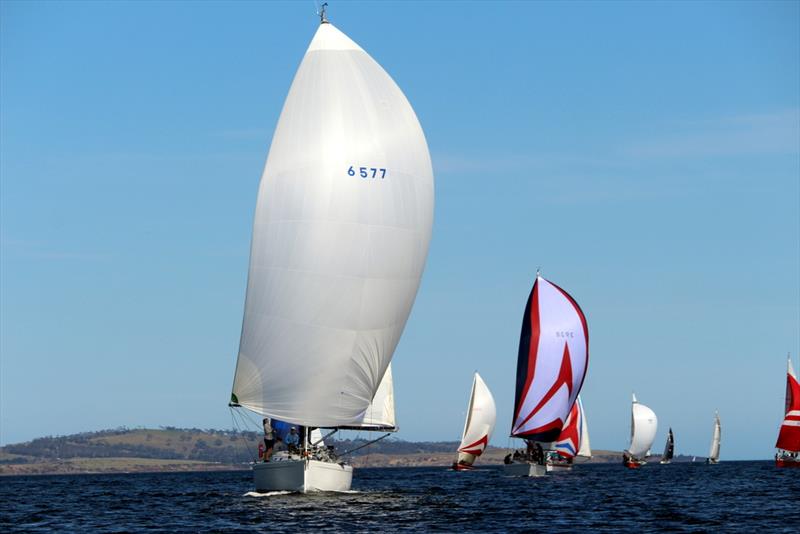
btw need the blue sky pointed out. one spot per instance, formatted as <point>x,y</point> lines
<point>645,155</point>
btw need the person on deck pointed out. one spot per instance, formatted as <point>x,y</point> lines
<point>292,440</point>
<point>269,438</point>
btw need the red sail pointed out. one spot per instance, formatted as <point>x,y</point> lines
<point>789,436</point>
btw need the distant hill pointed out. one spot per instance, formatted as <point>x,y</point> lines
<point>180,449</point>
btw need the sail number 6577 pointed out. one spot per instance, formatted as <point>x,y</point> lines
<point>367,172</point>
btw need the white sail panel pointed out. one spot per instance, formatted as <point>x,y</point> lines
<point>586,447</point>
<point>380,412</point>
<point>644,424</point>
<point>342,225</point>
<point>479,425</point>
<point>713,452</point>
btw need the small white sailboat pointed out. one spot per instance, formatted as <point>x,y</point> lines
<point>479,425</point>
<point>713,453</point>
<point>554,342</point>
<point>572,442</point>
<point>644,424</point>
<point>669,449</point>
<point>788,443</point>
<point>342,225</point>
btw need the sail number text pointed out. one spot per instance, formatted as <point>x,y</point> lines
<point>367,172</point>
<point>565,333</point>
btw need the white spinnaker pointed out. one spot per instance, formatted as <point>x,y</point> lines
<point>335,259</point>
<point>644,424</point>
<point>713,452</point>
<point>586,447</point>
<point>481,417</point>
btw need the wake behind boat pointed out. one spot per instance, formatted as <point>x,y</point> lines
<point>551,366</point>
<point>479,425</point>
<point>788,443</point>
<point>342,226</point>
<point>644,424</point>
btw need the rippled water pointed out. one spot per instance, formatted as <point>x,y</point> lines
<point>731,496</point>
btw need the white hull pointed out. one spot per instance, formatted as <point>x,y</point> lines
<point>524,469</point>
<point>302,476</point>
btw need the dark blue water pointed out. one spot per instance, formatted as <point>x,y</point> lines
<point>732,496</point>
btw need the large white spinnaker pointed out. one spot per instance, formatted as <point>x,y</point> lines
<point>644,424</point>
<point>342,225</point>
<point>479,425</point>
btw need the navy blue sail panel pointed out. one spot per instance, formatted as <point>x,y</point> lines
<point>523,359</point>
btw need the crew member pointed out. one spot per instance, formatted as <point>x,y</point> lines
<point>269,438</point>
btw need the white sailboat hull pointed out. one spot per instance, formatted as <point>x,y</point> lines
<point>302,476</point>
<point>524,469</point>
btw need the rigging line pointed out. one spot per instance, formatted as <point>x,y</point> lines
<point>345,453</point>
<point>242,436</point>
<point>236,444</point>
<point>245,431</point>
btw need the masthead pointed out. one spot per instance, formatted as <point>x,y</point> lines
<point>323,19</point>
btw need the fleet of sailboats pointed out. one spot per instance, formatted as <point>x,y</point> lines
<point>788,443</point>
<point>342,225</point>
<point>644,424</point>
<point>479,425</point>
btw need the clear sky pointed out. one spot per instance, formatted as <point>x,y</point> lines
<point>645,155</point>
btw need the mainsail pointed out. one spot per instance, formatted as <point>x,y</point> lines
<point>551,364</point>
<point>574,438</point>
<point>644,424</point>
<point>478,427</point>
<point>789,435</point>
<point>669,448</point>
<point>340,238</point>
<point>713,453</point>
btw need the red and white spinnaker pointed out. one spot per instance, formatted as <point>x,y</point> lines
<point>552,362</point>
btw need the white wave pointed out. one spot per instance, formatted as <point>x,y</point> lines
<point>267,494</point>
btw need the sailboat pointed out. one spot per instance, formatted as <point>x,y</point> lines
<point>551,366</point>
<point>481,416</point>
<point>788,443</point>
<point>342,225</point>
<point>572,442</point>
<point>713,453</point>
<point>669,449</point>
<point>644,424</point>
